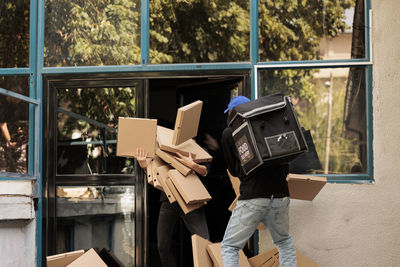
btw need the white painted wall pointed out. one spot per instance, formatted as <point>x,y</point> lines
<point>17,224</point>
<point>359,225</point>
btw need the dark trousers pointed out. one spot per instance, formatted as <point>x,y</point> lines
<point>195,222</point>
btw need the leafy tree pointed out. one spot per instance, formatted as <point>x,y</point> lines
<point>190,31</point>
<point>14,33</point>
<point>92,32</point>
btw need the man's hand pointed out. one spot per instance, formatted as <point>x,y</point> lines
<point>141,156</point>
<point>188,161</point>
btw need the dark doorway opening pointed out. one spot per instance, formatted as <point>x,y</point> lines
<point>165,97</point>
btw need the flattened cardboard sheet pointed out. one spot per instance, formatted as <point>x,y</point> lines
<point>186,208</point>
<point>162,174</point>
<point>304,187</point>
<point>171,160</point>
<point>267,259</point>
<point>89,259</point>
<point>156,162</point>
<point>214,250</point>
<point>164,139</point>
<point>62,260</point>
<point>187,122</point>
<point>200,254</point>
<point>149,173</point>
<point>235,181</point>
<point>134,133</point>
<point>271,259</point>
<point>190,187</point>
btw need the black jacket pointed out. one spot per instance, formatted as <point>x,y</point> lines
<point>262,182</point>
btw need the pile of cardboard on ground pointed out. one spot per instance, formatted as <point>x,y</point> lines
<point>164,171</point>
<point>208,254</point>
<point>80,258</point>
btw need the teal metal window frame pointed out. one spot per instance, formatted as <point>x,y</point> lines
<point>36,70</point>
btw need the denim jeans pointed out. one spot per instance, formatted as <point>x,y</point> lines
<point>274,213</point>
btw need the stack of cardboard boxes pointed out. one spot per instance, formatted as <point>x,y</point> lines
<point>164,171</point>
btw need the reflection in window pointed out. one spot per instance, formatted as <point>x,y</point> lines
<point>87,122</point>
<point>101,217</point>
<point>311,30</point>
<point>14,135</point>
<point>199,31</point>
<point>82,33</point>
<point>330,104</point>
<point>14,33</point>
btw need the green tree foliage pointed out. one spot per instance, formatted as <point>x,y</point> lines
<point>291,30</point>
<point>190,31</point>
<point>92,32</point>
<point>14,33</point>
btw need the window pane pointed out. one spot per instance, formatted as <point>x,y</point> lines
<point>82,33</point>
<point>101,217</point>
<point>199,31</point>
<point>311,30</point>
<point>330,104</point>
<point>14,33</point>
<point>14,135</point>
<point>17,84</point>
<point>87,121</point>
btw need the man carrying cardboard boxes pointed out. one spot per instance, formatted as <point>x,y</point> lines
<point>171,160</point>
<point>170,213</point>
<point>264,197</point>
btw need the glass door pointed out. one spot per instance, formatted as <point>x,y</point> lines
<point>92,194</point>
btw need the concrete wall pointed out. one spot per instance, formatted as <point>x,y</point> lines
<point>17,224</point>
<point>359,225</point>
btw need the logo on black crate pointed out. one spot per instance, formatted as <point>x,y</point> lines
<point>244,149</point>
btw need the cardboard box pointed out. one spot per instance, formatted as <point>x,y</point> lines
<point>271,259</point>
<point>187,122</point>
<point>149,173</point>
<point>77,258</point>
<point>164,140</point>
<point>304,187</point>
<point>214,250</point>
<point>89,259</point>
<point>235,181</point>
<point>201,258</point>
<point>267,259</point>
<point>134,133</point>
<point>62,260</point>
<point>190,187</point>
<point>155,163</point>
<point>171,160</point>
<point>186,208</point>
<point>162,174</point>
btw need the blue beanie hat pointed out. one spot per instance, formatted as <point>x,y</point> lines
<point>236,101</point>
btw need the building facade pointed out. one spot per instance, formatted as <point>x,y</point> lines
<point>69,69</point>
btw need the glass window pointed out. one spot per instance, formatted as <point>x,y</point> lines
<point>199,31</point>
<point>101,217</point>
<point>82,33</point>
<point>311,30</point>
<point>14,135</point>
<point>87,122</point>
<point>16,84</point>
<point>331,106</point>
<point>14,33</point>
